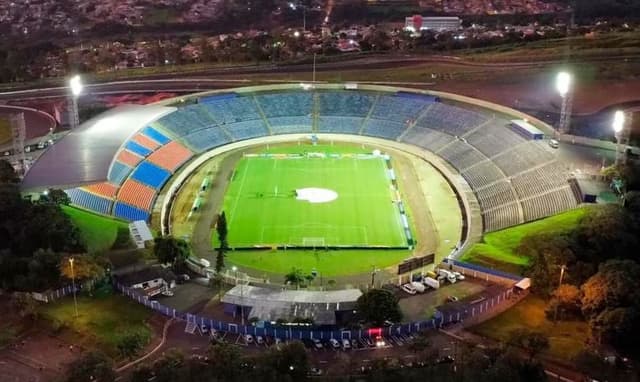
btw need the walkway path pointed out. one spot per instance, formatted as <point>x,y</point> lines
<point>167,324</point>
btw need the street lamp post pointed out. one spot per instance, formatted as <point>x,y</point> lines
<point>294,7</point>
<point>75,85</point>
<point>562,269</point>
<point>235,269</point>
<point>618,128</point>
<point>563,85</point>
<point>374,270</point>
<point>73,285</point>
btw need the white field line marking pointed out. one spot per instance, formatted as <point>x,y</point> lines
<point>235,202</point>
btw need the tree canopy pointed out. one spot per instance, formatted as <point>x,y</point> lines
<point>169,250</point>
<point>377,306</point>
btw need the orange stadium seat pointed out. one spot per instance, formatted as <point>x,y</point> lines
<point>136,194</point>
<point>145,141</point>
<point>129,158</point>
<point>103,189</point>
<point>170,156</point>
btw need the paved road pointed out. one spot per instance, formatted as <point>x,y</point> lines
<point>214,78</point>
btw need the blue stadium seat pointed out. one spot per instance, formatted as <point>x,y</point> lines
<point>127,212</point>
<point>294,124</point>
<point>247,129</point>
<point>89,201</point>
<point>384,129</point>
<point>450,119</point>
<point>347,125</point>
<point>286,104</point>
<point>138,149</point>
<point>346,104</point>
<point>230,110</point>
<point>207,139</point>
<point>155,135</point>
<point>187,119</point>
<point>118,172</point>
<point>150,174</point>
<point>400,109</point>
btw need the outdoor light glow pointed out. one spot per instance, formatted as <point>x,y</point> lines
<point>75,83</point>
<point>234,268</point>
<point>563,83</point>
<point>296,34</point>
<point>618,121</point>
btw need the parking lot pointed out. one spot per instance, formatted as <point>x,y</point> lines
<point>421,306</point>
<point>187,297</point>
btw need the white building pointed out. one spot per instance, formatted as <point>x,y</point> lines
<point>418,23</point>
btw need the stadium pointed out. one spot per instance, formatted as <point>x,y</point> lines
<point>342,178</point>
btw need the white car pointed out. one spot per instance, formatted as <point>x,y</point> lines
<point>259,340</point>
<point>554,143</point>
<point>458,275</point>
<point>248,338</point>
<point>167,293</point>
<point>316,343</point>
<point>346,344</point>
<point>334,343</point>
<point>409,289</point>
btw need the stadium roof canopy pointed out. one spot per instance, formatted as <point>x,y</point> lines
<point>271,304</point>
<point>84,155</point>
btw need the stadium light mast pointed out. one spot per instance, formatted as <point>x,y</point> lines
<point>618,128</point>
<point>564,81</point>
<point>76,87</point>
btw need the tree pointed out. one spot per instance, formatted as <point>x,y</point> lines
<point>169,250</point>
<point>93,366</point>
<point>168,368</point>
<point>419,344</point>
<point>225,361</point>
<point>377,306</point>
<point>289,362</point>
<point>131,343</point>
<point>7,172</point>
<point>142,373</point>
<point>295,277</point>
<point>565,300</point>
<point>531,341</point>
<point>219,260</point>
<point>85,267</point>
<point>25,305</point>
<point>221,228</point>
<point>56,197</point>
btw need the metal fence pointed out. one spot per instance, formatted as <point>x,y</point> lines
<point>51,296</point>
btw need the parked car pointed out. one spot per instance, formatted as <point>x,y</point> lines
<point>182,278</point>
<point>409,289</point>
<point>260,340</point>
<point>167,293</point>
<point>334,343</point>
<point>553,143</point>
<point>346,344</point>
<point>355,344</point>
<point>317,343</point>
<point>458,275</point>
<point>315,372</point>
<point>248,338</point>
<point>452,298</point>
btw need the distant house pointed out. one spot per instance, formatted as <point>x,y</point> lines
<point>150,281</point>
<point>417,23</point>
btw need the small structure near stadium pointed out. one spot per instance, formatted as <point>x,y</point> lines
<point>266,304</point>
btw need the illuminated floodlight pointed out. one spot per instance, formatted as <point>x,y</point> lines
<point>563,83</point>
<point>296,34</point>
<point>75,83</point>
<point>618,121</point>
<point>292,6</point>
<point>306,86</point>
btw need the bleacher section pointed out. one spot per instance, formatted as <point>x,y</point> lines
<point>150,174</point>
<point>170,156</point>
<point>399,109</point>
<point>230,110</point>
<point>137,194</point>
<point>118,172</point>
<point>203,140</point>
<point>127,212</point>
<point>345,125</point>
<point>514,179</point>
<point>494,138</point>
<point>450,119</point>
<point>384,129</point>
<point>345,104</point>
<point>87,200</point>
<point>286,105</point>
<point>247,129</point>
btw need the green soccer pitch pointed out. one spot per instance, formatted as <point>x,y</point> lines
<point>307,201</point>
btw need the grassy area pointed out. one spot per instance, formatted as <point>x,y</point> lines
<point>312,201</point>
<point>567,338</point>
<point>100,323</point>
<point>327,263</point>
<point>498,249</point>
<point>98,232</point>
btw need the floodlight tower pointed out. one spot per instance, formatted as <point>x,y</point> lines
<point>563,85</point>
<point>618,128</point>
<point>75,85</point>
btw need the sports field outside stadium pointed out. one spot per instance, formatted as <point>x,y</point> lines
<point>323,198</point>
